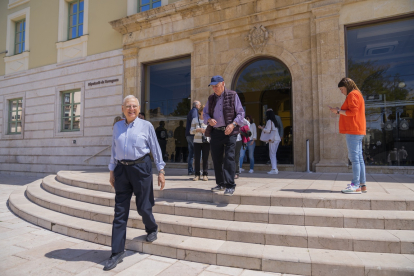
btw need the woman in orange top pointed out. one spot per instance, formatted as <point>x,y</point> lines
<point>352,123</point>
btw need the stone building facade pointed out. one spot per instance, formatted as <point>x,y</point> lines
<point>306,44</point>
<point>308,37</point>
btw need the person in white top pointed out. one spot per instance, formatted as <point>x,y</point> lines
<point>198,128</point>
<point>273,125</point>
<point>250,145</point>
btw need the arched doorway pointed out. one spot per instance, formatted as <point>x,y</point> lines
<point>265,83</point>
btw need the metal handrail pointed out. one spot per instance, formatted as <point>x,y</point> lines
<point>97,153</point>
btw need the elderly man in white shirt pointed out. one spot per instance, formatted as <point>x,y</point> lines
<point>131,173</point>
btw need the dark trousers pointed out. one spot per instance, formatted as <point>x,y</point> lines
<point>135,179</point>
<point>237,158</point>
<point>178,151</point>
<point>224,170</point>
<point>198,149</point>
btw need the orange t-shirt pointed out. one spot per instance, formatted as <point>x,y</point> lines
<point>354,122</point>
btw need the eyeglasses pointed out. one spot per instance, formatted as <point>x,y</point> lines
<point>131,106</point>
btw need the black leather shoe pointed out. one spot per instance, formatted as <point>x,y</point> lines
<point>115,259</point>
<point>152,236</point>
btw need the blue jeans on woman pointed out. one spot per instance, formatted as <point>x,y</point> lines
<point>354,144</point>
<point>251,154</point>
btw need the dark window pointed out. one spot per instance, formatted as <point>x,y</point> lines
<point>167,102</point>
<point>381,62</point>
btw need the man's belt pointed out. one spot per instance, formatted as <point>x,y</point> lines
<point>133,162</point>
<point>220,128</point>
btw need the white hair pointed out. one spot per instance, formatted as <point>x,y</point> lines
<point>129,97</point>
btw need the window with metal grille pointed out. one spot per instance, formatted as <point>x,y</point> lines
<point>145,5</point>
<point>19,41</point>
<point>15,116</point>
<point>71,108</point>
<point>75,19</point>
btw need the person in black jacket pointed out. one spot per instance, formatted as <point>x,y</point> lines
<point>190,137</point>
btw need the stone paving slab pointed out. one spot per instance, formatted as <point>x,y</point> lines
<point>22,254</point>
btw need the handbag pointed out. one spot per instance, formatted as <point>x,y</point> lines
<point>269,137</point>
<point>203,137</point>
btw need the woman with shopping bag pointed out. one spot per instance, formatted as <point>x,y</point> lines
<point>271,134</point>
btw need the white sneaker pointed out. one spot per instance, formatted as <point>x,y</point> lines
<point>251,171</point>
<point>241,169</point>
<point>273,172</point>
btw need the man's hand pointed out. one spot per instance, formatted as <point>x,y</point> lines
<point>229,129</point>
<point>212,122</point>
<point>112,179</point>
<point>161,181</point>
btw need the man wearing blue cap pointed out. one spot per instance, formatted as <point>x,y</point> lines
<point>224,114</point>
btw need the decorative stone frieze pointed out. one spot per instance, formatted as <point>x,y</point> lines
<point>72,49</point>
<point>17,63</point>
<point>15,3</point>
<point>258,37</point>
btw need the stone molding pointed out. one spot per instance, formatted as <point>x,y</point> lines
<point>15,3</point>
<point>282,54</point>
<point>5,104</point>
<point>72,49</point>
<point>17,63</point>
<point>11,19</point>
<point>63,19</point>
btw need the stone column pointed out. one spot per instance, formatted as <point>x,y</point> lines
<point>200,67</point>
<point>131,80</point>
<point>200,71</point>
<point>330,66</point>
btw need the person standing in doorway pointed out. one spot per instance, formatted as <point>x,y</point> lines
<point>201,145</point>
<point>162,136</point>
<point>180,143</point>
<point>250,145</point>
<point>352,123</point>
<point>273,126</point>
<point>130,172</point>
<point>224,114</point>
<point>190,137</point>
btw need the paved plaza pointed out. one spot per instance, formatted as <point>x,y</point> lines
<point>28,249</point>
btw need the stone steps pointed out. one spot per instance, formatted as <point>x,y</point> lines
<point>324,217</point>
<point>348,239</point>
<point>281,259</point>
<point>201,192</point>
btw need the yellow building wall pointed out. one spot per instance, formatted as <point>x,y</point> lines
<point>44,17</point>
<point>102,37</point>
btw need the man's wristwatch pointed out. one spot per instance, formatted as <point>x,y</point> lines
<point>161,171</point>
<point>337,112</point>
<point>234,124</point>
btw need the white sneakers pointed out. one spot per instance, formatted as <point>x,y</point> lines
<point>241,169</point>
<point>273,172</point>
<point>251,171</point>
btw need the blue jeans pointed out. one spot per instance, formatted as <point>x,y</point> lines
<point>251,154</point>
<point>190,141</point>
<point>354,144</point>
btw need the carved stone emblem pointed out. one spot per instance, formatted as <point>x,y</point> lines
<point>257,38</point>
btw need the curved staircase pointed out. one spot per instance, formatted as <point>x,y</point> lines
<point>272,230</point>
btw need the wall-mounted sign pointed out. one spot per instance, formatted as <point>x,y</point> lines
<point>102,82</point>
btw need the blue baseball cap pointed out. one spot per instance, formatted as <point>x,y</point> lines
<point>215,80</point>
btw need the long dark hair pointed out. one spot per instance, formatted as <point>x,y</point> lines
<point>349,84</point>
<point>270,115</point>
